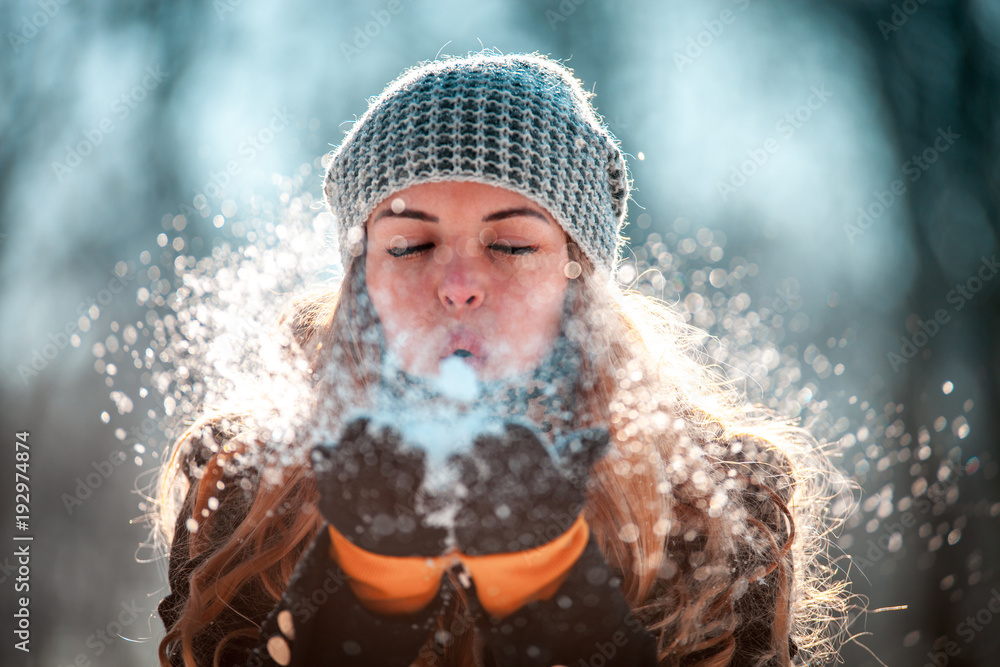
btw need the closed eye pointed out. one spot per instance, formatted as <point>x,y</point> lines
<point>508,249</point>
<point>408,251</point>
<point>499,248</point>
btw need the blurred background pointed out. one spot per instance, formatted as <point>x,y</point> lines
<point>839,157</point>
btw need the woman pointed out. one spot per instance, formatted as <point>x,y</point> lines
<point>516,463</point>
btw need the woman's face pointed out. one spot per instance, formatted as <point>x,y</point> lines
<point>469,269</point>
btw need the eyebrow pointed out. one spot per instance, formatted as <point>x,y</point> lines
<point>406,213</point>
<point>513,213</point>
<point>492,217</point>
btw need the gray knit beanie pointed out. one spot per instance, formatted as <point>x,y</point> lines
<point>522,122</point>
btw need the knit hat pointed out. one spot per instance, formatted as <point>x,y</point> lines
<point>521,122</point>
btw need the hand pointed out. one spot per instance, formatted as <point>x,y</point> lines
<point>370,492</point>
<point>508,490</point>
<point>522,493</point>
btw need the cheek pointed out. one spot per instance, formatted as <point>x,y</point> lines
<point>534,294</point>
<point>395,297</point>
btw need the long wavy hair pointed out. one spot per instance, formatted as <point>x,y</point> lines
<point>711,509</point>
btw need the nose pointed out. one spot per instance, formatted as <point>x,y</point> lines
<point>462,286</point>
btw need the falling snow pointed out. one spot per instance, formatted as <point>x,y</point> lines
<point>209,339</point>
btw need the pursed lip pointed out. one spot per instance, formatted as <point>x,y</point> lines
<point>463,339</point>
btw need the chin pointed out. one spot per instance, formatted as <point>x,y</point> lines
<point>495,372</point>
